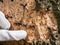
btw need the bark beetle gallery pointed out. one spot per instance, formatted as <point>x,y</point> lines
<point>39,22</point>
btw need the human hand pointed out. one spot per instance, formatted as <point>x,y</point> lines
<point>8,35</point>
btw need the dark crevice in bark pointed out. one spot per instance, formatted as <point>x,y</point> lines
<point>1,1</point>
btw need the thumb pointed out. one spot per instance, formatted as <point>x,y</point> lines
<point>6,35</point>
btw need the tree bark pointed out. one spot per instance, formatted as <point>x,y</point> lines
<point>33,16</point>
